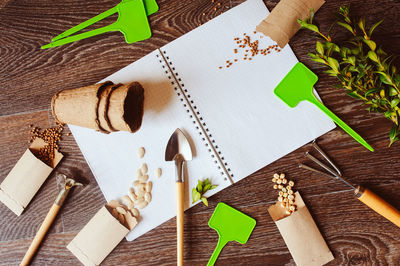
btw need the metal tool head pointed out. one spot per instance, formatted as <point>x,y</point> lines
<point>334,173</point>
<point>68,184</point>
<point>178,145</point>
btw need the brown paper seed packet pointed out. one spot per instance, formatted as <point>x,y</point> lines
<point>27,176</point>
<point>281,24</point>
<point>299,228</point>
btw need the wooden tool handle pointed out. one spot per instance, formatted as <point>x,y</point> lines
<point>179,221</point>
<point>379,205</point>
<point>40,234</point>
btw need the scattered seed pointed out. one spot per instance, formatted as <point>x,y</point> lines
<point>149,186</point>
<point>144,168</point>
<point>291,183</point>
<point>139,173</point>
<point>276,176</point>
<point>284,181</point>
<point>135,212</point>
<point>275,186</point>
<point>143,178</point>
<point>282,176</point>
<point>280,186</point>
<point>141,152</point>
<point>147,197</point>
<point>158,172</point>
<point>142,204</point>
<point>121,210</point>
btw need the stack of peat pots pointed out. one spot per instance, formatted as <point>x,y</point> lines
<point>105,107</point>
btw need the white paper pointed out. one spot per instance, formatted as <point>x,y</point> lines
<point>250,126</point>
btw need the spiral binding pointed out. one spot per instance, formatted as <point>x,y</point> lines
<point>194,114</point>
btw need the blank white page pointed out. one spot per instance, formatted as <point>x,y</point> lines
<point>249,124</point>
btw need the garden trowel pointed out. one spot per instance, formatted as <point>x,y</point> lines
<point>297,86</point>
<point>231,225</point>
<point>178,150</point>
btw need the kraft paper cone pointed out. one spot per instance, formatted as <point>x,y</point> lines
<point>105,123</point>
<point>301,234</point>
<point>98,238</point>
<point>25,179</point>
<point>281,24</point>
<point>78,106</point>
<point>125,110</point>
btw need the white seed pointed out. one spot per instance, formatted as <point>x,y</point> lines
<point>158,172</point>
<point>149,186</point>
<point>274,180</point>
<point>280,186</point>
<point>143,178</point>
<point>144,168</point>
<point>135,183</point>
<point>135,212</point>
<point>290,192</point>
<point>292,208</point>
<point>276,175</point>
<point>280,193</point>
<point>139,173</point>
<point>282,176</point>
<point>284,181</point>
<point>141,192</point>
<point>285,195</point>
<point>291,197</point>
<point>280,198</point>
<point>141,152</point>
<point>142,204</point>
<point>132,194</point>
<point>279,181</point>
<point>291,183</point>
<point>275,186</point>
<point>284,189</point>
<point>127,200</point>
<point>147,197</point>
<point>121,210</point>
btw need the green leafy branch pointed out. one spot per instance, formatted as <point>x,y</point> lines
<point>199,191</point>
<point>364,71</point>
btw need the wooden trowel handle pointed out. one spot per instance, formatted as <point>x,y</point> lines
<point>40,234</point>
<point>379,205</point>
<point>179,221</point>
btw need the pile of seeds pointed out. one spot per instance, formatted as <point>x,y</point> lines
<point>140,193</point>
<point>123,215</point>
<point>51,136</point>
<point>286,194</point>
<point>248,49</point>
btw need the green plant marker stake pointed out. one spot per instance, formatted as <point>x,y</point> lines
<point>231,225</point>
<point>132,22</point>
<point>150,6</point>
<point>297,86</point>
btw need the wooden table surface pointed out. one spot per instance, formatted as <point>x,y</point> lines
<point>30,76</point>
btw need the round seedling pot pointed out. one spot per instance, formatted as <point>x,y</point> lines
<point>125,108</point>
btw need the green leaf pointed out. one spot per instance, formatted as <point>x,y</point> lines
<point>384,78</point>
<point>320,48</point>
<point>200,187</point>
<point>204,200</point>
<point>214,186</point>
<point>371,44</point>
<point>394,102</point>
<point>372,55</point>
<point>393,135</point>
<point>333,63</point>
<point>370,91</point>
<point>382,93</point>
<point>353,94</point>
<point>195,195</point>
<point>206,188</point>
<point>371,30</point>
<point>361,24</point>
<point>308,26</point>
<point>392,92</point>
<point>207,181</point>
<point>319,60</point>
<point>346,26</point>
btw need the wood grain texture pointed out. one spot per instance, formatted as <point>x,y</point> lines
<point>30,76</point>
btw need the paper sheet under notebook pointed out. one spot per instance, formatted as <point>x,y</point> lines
<point>243,125</point>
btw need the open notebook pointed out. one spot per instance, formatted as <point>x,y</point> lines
<point>235,123</point>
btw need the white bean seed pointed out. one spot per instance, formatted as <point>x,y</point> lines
<point>158,172</point>
<point>142,204</point>
<point>121,210</point>
<point>135,212</point>
<point>147,197</point>
<point>135,183</point>
<point>139,173</point>
<point>141,152</point>
<point>149,186</point>
<point>144,168</point>
<point>143,178</point>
